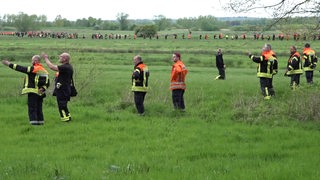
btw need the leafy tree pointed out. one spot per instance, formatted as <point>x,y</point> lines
<point>8,19</point>
<point>43,20</point>
<point>59,21</point>
<point>162,22</point>
<point>122,18</point>
<point>109,25</point>
<point>23,22</point>
<point>82,22</point>
<point>92,22</point>
<point>188,23</point>
<point>146,31</point>
<point>208,23</point>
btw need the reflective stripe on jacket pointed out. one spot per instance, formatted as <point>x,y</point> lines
<point>178,75</point>
<point>309,59</point>
<point>36,77</point>
<point>140,78</point>
<point>271,56</point>
<point>265,64</point>
<point>294,64</point>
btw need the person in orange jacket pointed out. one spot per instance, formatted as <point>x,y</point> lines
<point>177,82</point>
<point>294,69</point>
<point>309,60</point>
<point>275,66</point>
<point>266,64</point>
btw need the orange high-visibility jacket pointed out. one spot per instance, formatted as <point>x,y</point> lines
<point>294,64</point>
<point>178,75</point>
<point>309,59</point>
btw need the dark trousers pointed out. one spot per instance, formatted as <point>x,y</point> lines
<point>222,73</point>
<point>309,76</point>
<point>35,109</point>
<point>266,86</point>
<point>271,90</point>
<point>139,101</point>
<point>177,99</point>
<point>63,97</point>
<point>295,80</point>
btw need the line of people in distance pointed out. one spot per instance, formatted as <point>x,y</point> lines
<point>232,36</point>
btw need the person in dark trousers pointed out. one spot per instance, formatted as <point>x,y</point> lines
<point>294,69</point>
<point>309,62</point>
<point>140,77</point>
<point>220,65</point>
<point>63,79</point>
<point>35,84</point>
<point>265,70</point>
<point>177,82</point>
<point>275,66</point>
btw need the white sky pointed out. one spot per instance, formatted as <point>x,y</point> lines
<point>108,9</point>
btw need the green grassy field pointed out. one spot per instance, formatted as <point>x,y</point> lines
<point>228,131</point>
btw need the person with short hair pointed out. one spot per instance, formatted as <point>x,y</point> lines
<point>294,68</point>
<point>309,61</point>
<point>63,82</point>
<point>265,70</point>
<point>275,66</point>
<point>177,82</point>
<point>35,84</point>
<point>220,65</point>
<point>140,78</point>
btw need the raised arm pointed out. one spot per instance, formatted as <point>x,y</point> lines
<point>49,63</point>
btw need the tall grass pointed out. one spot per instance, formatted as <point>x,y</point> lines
<point>228,131</point>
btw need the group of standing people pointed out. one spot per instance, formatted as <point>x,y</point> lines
<point>37,82</point>
<point>295,67</point>
<point>37,78</point>
<point>268,67</point>
<point>141,75</point>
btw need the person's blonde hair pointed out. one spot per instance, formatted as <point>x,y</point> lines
<point>37,57</point>
<point>67,55</point>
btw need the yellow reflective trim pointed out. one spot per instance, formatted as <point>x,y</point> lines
<point>63,113</point>
<point>36,81</point>
<point>29,90</point>
<point>297,71</point>
<point>266,75</point>
<point>140,88</point>
<point>308,69</point>
<point>26,83</point>
<point>266,91</point>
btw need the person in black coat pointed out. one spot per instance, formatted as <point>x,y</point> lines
<point>220,65</point>
<point>63,82</point>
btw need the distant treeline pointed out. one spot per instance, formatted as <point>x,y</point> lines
<point>23,23</point>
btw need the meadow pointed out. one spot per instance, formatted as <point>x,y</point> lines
<point>227,132</point>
